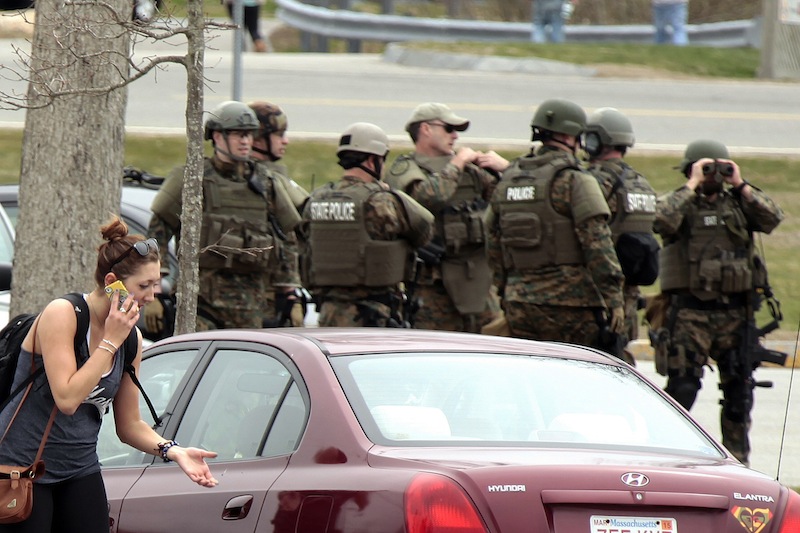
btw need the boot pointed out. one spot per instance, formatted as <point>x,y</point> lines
<point>260,46</point>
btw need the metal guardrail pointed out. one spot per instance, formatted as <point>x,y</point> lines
<point>354,26</point>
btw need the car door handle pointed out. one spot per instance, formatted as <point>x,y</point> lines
<point>238,507</point>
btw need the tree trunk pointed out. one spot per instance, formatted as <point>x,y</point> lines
<point>73,147</point>
<point>188,281</point>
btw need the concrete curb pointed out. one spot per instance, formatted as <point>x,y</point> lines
<point>399,54</point>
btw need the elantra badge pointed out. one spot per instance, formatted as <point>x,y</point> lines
<point>635,479</point>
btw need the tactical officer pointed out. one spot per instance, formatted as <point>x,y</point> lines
<point>550,246</point>
<point>236,237</point>
<point>708,272</point>
<point>362,236</point>
<point>632,202</point>
<point>285,303</point>
<point>454,281</point>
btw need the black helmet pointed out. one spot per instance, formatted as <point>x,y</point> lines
<point>230,115</point>
<point>560,116</point>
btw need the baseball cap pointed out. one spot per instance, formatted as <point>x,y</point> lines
<point>435,111</point>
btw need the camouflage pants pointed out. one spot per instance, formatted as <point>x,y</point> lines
<point>552,323</point>
<point>228,300</point>
<point>437,311</point>
<point>338,314</point>
<point>631,293</point>
<point>702,334</point>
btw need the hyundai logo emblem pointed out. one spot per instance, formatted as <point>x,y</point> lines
<point>635,479</point>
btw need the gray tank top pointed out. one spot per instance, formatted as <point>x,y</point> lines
<point>71,449</point>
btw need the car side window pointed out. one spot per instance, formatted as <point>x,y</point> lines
<point>244,402</point>
<point>160,376</point>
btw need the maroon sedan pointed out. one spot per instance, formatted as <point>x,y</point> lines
<point>384,430</point>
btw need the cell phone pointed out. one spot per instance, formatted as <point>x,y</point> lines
<point>117,286</point>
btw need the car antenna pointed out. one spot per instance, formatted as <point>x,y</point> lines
<point>788,401</point>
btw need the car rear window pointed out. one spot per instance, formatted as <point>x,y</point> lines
<point>511,400</point>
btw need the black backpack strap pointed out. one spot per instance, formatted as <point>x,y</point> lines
<point>81,309</point>
<point>130,348</point>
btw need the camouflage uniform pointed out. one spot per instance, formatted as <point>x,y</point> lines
<point>557,301</point>
<point>286,256</point>
<point>704,325</point>
<point>449,193</point>
<point>226,298</point>
<point>384,220</point>
<point>608,172</point>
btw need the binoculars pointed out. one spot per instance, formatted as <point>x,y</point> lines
<point>717,168</point>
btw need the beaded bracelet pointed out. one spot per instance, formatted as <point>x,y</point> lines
<point>163,448</point>
<point>109,350</point>
<point>111,344</point>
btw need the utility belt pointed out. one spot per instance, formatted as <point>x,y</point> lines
<point>688,301</point>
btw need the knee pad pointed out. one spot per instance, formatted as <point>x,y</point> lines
<point>683,389</point>
<point>737,399</point>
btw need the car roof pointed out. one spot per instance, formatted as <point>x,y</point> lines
<point>348,341</point>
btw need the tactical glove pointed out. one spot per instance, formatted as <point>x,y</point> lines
<point>154,316</point>
<point>617,323</point>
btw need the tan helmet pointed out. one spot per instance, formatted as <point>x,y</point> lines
<point>228,116</point>
<point>365,138</point>
<point>702,149</point>
<point>271,118</point>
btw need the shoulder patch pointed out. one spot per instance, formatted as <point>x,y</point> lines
<point>399,167</point>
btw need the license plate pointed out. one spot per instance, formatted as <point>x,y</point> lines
<point>632,524</point>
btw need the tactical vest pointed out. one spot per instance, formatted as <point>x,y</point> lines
<point>459,224</point>
<point>343,253</point>
<point>235,232</point>
<point>636,201</point>
<point>713,255</point>
<point>533,234</point>
<point>460,229</point>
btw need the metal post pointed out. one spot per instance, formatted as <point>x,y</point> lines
<point>238,48</point>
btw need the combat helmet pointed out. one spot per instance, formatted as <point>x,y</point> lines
<point>607,127</point>
<point>560,116</point>
<point>271,118</point>
<point>702,149</point>
<point>365,138</point>
<point>230,115</point>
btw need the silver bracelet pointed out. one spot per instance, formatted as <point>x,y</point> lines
<point>109,350</point>
<point>111,344</point>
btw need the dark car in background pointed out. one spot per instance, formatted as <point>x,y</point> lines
<point>332,430</point>
<point>138,192</point>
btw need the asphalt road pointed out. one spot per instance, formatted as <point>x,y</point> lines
<point>323,93</point>
<point>775,434</point>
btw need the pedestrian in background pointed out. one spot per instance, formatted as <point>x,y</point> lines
<point>549,18</point>
<point>670,14</point>
<point>454,283</point>
<point>252,14</point>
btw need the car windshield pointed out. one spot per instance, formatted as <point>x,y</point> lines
<point>511,400</point>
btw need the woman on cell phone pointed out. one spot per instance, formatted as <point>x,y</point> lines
<point>71,497</point>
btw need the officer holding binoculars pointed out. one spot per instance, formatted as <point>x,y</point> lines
<point>708,270</point>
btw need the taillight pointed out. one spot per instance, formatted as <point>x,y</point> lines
<point>791,517</point>
<point>436,504</point>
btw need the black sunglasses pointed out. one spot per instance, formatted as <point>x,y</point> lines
<point>141,247</point>
<point>447,127</point>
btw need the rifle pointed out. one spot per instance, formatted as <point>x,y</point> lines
<point>751,353</point>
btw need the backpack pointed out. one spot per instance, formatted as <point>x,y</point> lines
<point>14,333</point>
